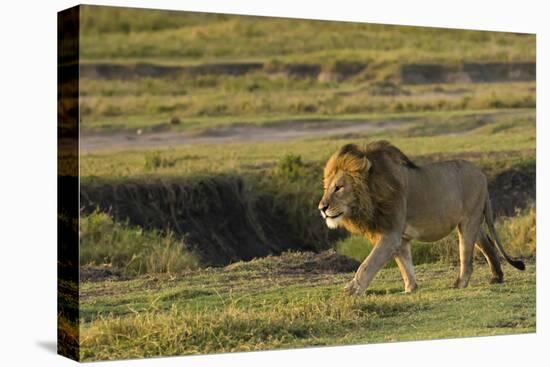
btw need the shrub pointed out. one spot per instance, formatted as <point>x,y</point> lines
<point>290,167</point>
<point>154,160</point>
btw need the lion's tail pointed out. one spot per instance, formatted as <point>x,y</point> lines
<point>516,263</point>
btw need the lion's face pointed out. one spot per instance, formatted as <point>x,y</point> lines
<point>338,198</point>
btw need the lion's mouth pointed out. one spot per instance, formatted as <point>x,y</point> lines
<point>334,216</point>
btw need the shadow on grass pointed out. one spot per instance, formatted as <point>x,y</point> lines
<point>382,292</point>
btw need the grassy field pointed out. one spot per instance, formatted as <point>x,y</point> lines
<point>265,304</point>
<point>179,37</point>
<point>445,133</point>
<point>238,100</point>
<point>164,226</point>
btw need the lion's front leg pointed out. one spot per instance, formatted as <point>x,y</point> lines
<point>383,252</point>
<point>353,289</point>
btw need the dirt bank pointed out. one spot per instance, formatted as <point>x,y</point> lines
<point>409,73</point>
<point>144,70</point>
<point>286,264</point>
<point>468,73</point>
<point>292,263</point>
<point>219,217</point>
<point>512,190</point>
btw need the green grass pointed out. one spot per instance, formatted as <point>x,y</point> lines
<point>258,308</point>
<point>359,248</point>
<point>131,250</point>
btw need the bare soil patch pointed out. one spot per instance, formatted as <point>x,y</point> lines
<point>279,131</point>
<point>90,273</point>
<point>290,263</point>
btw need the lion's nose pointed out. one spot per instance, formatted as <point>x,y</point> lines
<point>323,207</point>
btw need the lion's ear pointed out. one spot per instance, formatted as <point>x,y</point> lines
<point>365,164</point>
<point>359,164</point>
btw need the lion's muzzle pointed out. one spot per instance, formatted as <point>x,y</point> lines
<point>331,215</point>
<point>323,207</point>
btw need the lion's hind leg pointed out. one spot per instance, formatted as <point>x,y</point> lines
<point>489,250</point>
<point>468,231</point>
<point>403,258</point>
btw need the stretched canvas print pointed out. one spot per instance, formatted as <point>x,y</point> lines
<point>239,183</point>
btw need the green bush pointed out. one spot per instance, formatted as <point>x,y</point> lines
<point>154,160</point>
<point>290,167</point>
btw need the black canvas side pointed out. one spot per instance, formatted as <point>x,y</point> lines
<point>68,22</point>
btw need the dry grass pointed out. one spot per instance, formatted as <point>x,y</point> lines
<point>231,100</point>
<point>232,310</point>
<point>131,34</point>
<point>130,249</point>
<point>518,234</point>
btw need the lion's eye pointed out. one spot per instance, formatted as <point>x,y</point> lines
<point>337,188</point>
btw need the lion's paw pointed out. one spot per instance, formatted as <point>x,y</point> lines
<point>353,288</point>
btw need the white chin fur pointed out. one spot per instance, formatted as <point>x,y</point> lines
<point>333,222</point>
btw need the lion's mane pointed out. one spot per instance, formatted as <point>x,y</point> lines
<point>377,188</point>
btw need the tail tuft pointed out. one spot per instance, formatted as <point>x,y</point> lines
<point>518,264</point>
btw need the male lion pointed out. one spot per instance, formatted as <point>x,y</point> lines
<point>379,193</point>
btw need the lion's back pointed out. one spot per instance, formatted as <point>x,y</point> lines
<point>450,174</point>
<point>442,192</point>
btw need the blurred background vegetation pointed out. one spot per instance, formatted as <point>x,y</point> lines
<point>146,68</point>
